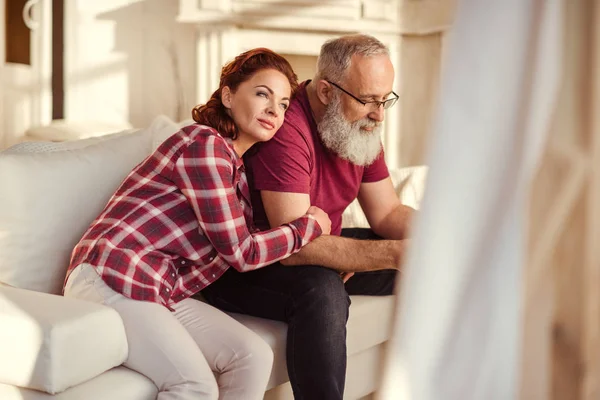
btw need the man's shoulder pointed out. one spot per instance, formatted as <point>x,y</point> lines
<point>296,125</point>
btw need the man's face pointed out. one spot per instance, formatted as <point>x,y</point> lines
<point>369,79</point>
<point>353,130</point>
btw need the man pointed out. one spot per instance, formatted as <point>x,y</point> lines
<point>327,153</point>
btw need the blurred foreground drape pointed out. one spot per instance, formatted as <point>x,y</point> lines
<point>561,348</point>
<point>458,333</point>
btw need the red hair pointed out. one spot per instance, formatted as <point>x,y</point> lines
<point>242,68</point>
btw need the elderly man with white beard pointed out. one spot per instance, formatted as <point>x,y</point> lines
<point>327,153</point>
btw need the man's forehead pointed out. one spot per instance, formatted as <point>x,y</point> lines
<point>372,75</point>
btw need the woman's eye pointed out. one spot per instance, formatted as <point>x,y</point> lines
<point>263,94</point>
<point>284,106</point>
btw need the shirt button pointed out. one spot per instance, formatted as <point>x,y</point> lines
<point>213,275</point>
<point>167,290</point>
<point>173,274</point>
<point>182,262</point>
<point>211,258</point>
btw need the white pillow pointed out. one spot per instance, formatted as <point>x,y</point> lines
<point>409,184</point>
<point>47,201</point>
<point>164,127</point>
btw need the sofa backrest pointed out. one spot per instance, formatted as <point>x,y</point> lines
<point>50,193</point>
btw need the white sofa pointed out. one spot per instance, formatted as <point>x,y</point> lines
<point>53,347</point>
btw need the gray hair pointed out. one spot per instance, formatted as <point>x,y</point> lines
<point>336,54</point>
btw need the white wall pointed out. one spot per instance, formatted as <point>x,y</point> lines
<point>25,96</point>
<point>127,61</point>
<point>304,66</point>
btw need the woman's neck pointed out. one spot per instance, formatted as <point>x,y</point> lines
<point>241,146</point>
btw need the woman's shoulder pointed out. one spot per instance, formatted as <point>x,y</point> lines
<point>197,130</point>
<point>206,136</point>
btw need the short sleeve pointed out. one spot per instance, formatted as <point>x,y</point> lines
<point>283,164</point>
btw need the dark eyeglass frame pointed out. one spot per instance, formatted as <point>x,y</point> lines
<point>385,103</point>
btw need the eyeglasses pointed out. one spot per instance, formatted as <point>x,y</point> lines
<point>374,103</point>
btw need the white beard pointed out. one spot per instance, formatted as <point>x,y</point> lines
<point>346,139</point>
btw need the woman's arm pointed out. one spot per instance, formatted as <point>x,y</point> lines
<point>204,173</point>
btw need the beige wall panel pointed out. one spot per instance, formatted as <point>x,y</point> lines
<point>420,60</point>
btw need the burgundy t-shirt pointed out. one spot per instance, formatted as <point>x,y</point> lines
<point>295,160</point>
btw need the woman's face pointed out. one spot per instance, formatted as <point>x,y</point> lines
<point>258,106</point>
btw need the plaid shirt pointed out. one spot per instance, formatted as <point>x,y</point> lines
<point>180,219</point>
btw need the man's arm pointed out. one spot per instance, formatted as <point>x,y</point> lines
<point>387,216</point>
<point>342,254</point>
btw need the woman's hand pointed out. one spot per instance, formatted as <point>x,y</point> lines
<point>322,218</point>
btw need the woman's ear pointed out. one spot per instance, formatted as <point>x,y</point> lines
<point>324,91</point>
<point>226,97</point>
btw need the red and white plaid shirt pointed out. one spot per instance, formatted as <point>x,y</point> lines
<point>180,219</point>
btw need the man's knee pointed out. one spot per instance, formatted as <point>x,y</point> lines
<point>322,291</point>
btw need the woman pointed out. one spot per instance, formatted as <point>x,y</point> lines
<point>179,220</point>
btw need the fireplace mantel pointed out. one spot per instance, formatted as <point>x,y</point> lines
<point>299,27</point>
<point>304,15</point>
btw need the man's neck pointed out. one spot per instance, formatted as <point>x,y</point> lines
<point>317,108</point>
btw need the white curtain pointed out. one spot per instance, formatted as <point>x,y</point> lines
<point>458,330</point>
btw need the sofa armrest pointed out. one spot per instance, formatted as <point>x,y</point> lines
<point>50,343</point>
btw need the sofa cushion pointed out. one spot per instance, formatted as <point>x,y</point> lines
<point>164,127</point>
<point>119,383</point>
<point>50,147</point>
<point>51,192</point>
<point>369,324</point>
<point>47,201</point>
<point>51,343</point>
<point>60,130</point>
<point>409,183</point>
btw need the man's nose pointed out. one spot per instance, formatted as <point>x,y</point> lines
<point>377,114</point>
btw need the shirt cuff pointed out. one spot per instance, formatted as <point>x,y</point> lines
<point>306,229</point>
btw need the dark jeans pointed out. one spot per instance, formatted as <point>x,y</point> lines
<point>314,302</point>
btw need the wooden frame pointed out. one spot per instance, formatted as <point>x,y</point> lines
<point>561,348</point>
<point>58,56</point>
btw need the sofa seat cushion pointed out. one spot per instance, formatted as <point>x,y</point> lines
<point>50,343</point>
<point>369,324</point>
<point>118,383</point>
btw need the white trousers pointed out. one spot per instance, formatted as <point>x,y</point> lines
<point>180,350</point>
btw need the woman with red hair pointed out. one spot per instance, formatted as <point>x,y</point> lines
<point>179,220</point>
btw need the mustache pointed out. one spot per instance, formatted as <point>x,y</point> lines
<point>367,123</point>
